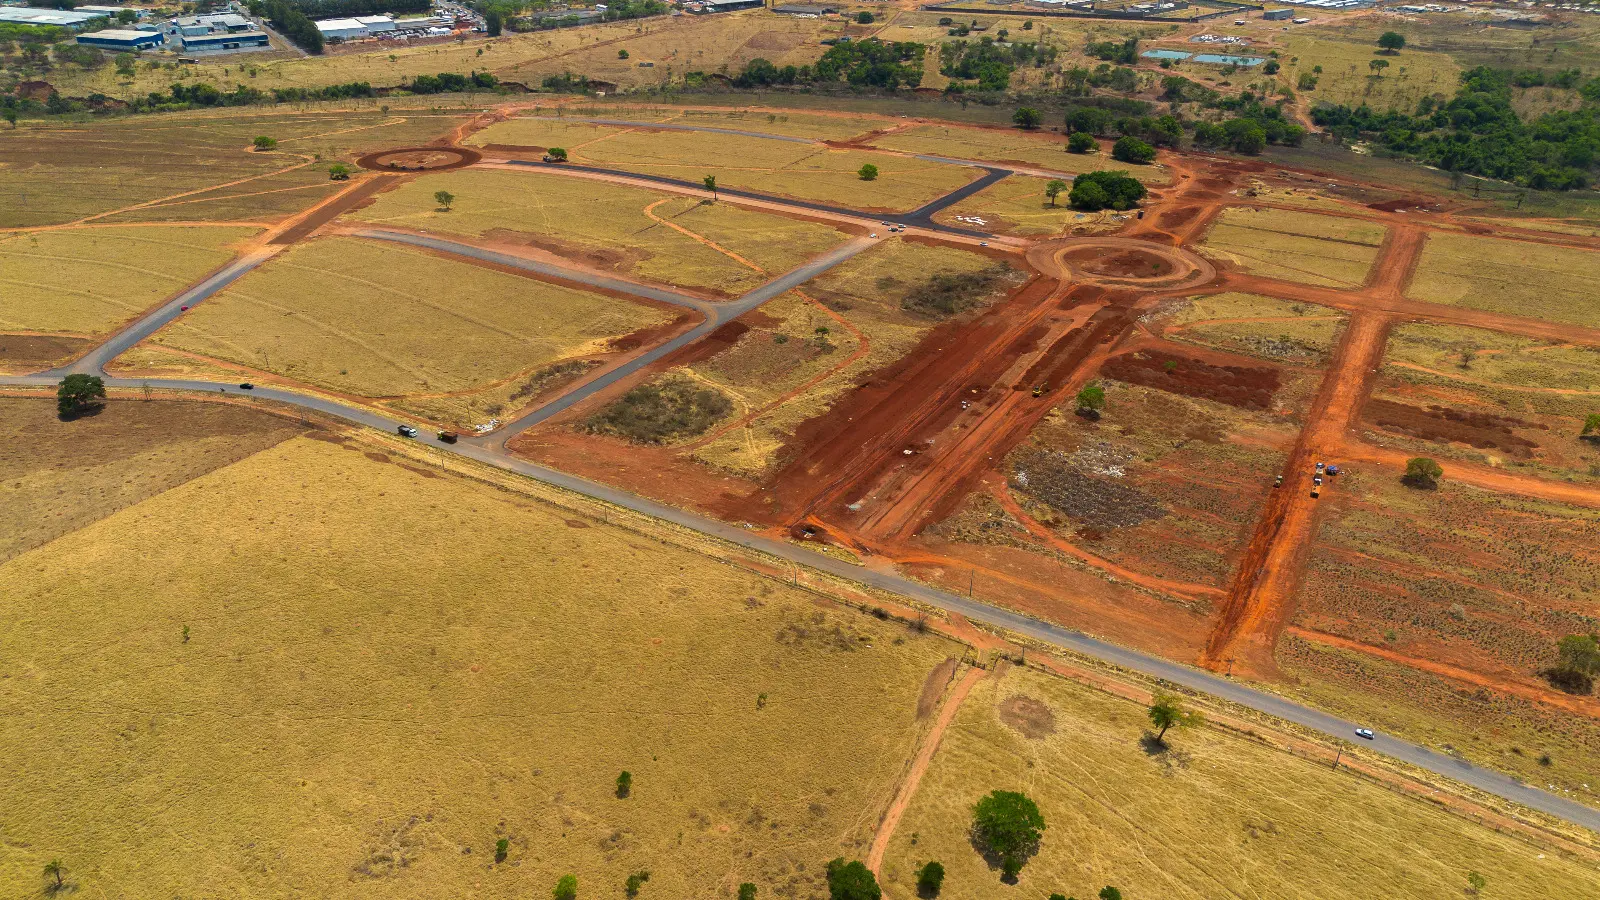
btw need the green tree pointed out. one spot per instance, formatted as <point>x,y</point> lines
<point>622,54</point>
<point>1422,472</point>
<point>1580,653</point>
<point>1053,189</point>
<point>56,871</point>
<point>1591,425</point>
<point>1166,711</point>
<point>494,23</point>
<point>1271,68</point>
<point>557,153</point>
<point>566,888</point>
<point>747,891</point>
<point>1093,396</point>
<point>339,172</point>
<point>11,117</point>
<point>863,18</point>
<point>1061,896</point>
<point>930,878</point>
<point>868,172</point>
<point>624,785</point>
<point>634,883</point>
<point>851,881</point>
<point>77,393</point>
<point>265,143</point>
<point>1476,883</point>
<point>1378,65</point>
<point>1392,41</point>
<point>1110,893</point>
<point>1130,149</point>
<point>124,62</point>
<point>1112,189</point>
<point>710,181</point>
<point>1307,82</point>
<point>1008,826</point>
<point>1027,117</point>
<point>444,199</point>
<point>1080,142</point>
<point>501,848</point>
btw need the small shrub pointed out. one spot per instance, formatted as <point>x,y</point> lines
<point>1110,893</point>
<point>263,144</point>
<point>747,891</point>
<point>673,407</point>
<point>864,18</point>
<point>501,848</point>
<point>624,785</point>
<point>851,881</point>
<point>635,882</point>
<point>566,888</point>
<point>929,879</point>
<point>1080,142</point>
<point>868,172</point>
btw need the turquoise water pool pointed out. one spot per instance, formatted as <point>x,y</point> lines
<point>1222,60</point>
<point>1165,54</point>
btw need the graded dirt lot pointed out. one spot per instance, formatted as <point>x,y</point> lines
<point>1557,284</point>
<point>1294,246</point>
<point>1218,815</point>
<point>378,321</point>
<point>1482,583</point>
<point>1007,145</point>
<point>87,282</point>
<point>326,669</point>
<point>62,476</point>
<point>647,234</point>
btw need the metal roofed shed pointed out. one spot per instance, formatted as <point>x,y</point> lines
<point>61,18</point>
<point>341,29</point>
<point>122,39</point>
<point>225,41</point>
<point>375,24</point>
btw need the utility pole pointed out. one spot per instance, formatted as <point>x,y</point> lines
<point>972,580</point>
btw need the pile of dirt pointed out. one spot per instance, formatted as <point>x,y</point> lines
<point>1484,431</point>
<point>1093,500</point>
<point>1241,386</point>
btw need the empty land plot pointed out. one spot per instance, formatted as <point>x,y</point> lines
<point>790,124</point>
<point>1295,246</point>
<point>386,671</point>
<point>61,476</point>
<point>1282,331</point>
<point>775,358</point>
<point>1007,146</point>
<point>804,171</point>
<point>1016,205</point>
<point>1487,397</point>
<point>89,281</point>
<point>1481,581</point>
<point>614,227</point>
<point>543,132</point>
<point>379,321</point>
<point>1557,284</point>
<point>1218,815</point>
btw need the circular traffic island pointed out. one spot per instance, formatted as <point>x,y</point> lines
<point>419,159</point>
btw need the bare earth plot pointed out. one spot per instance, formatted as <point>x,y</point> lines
<point>1295,246</point>
<point>87,282</point>
<point>378,321</point>
<point>623,229</point>
<point>1219,815</point>
<point>386,670</point>
<point>1558,284</point>
<point>1007,146</point>
<point>1482,583</point>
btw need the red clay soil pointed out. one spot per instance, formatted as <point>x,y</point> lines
<point>419,159</point>
<point>333,208</point>
<point>1241,386</point>
<point>1484,431</point>
<point>1125,264</point>
<point>650,336</point>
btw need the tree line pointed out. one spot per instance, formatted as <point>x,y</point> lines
<point>289,21</point>
<point>870,63</point>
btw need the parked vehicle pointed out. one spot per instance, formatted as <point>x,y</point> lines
<point>246,386</point>
<point>406,431</point>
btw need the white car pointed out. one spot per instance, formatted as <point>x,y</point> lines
<point>1364,733</point>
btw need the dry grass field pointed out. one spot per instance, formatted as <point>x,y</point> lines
<point>327,670</point>
<point>1280,331</point>
<point>1295,246</point>
<point>1046,151</point>
<point>1483,582</point>
<point>816,126</point>
<point>609,226</point>
<point>1557,284</point>
<point>90,281</point>
<point>1345,78</point>
<point>775,358</point>
<point>379,321</point>
<point>805,171</point>
<point>1218,815</point>
<point>1018,205</point>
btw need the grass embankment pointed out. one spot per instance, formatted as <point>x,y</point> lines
<point>1219,815</point>
<point>325,670</point>
<point>380,321</point>
<point>1295,246</point>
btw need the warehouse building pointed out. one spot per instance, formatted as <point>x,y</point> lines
<point>123,40</point>
<point>61,18</point>
<point>376,24</point>
<point>109,11</point>
<point>222,40</point>
<point>1278,15</point>
<point>341,29</point>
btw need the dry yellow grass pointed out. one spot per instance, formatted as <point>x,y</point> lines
<point>1046,151</point>
<point>1218,816</point>
<point>1018,205</point>
<point>542,131</point>
<point>387,670</point>
<point>1558,284</point>
<point>1275,329</point>
<point>1346,78</point>
<point>379,321</point>
<point>1296,246</point>
<point>90,281</point>
<point>609,223</point>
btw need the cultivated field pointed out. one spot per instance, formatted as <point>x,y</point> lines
<point>88,282</point>
<point>1017,205</point>
<point>1295,246</point>
<point>1218,815</point>
<point>1488,397</point>
<point>325,669</point>
<point>624,229</point>
<point>378,321</point>
<point>1481,582</point>
<point>1557,284</point>
<point>1008,146</point>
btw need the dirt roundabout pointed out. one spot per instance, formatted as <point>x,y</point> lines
<point>419,159</point>
<point>1122,262</point>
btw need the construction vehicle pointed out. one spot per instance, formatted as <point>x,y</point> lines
<point>1333,470</point>
<point>448,437</point>
<point>1319,467</point>
<point>1040,388</point>
<point>1315,492</point>
<point>1316,480</point>
<point>1277,482</point>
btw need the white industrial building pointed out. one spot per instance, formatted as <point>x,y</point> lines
<point>375,24</point>
<point>61,18</point>
<point>341,29</point>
